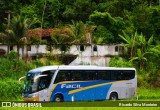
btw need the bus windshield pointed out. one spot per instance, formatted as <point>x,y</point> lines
<point>36,81</point>
<point>29,85</point>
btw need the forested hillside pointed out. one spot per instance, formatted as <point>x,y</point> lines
<point>110,16</point>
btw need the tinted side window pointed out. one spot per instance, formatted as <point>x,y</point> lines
<point>103,75</point>
<point>116,75</point>
<point>128,74</point>
<point>122,74</point>
<point>90,74</point>
<point>63,75</point>
<point>77,75</point>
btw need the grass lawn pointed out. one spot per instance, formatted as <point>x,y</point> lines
<point>148,94</point>
<point>85,108</point>
<point>144,94</point>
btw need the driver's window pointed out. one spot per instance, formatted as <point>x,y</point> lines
<point>42,83</point>
<point>45,81</point>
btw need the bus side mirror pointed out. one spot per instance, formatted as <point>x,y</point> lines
<point>21,79</point>
<point>35,78</point>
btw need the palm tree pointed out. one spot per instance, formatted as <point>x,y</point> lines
<point>3,37</point>
<point>19,26</point>
<point>6,37</point>
<point>131,42</point>
<point>146,46</point>
<point>141,42</point>
<point>140,58</point>
<point>145,49</point>
<point>80,33</point>
<point>60,38</point>
<point>77,31</point>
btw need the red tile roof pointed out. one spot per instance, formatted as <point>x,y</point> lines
<point>38,32</point>
<point>44,33</point>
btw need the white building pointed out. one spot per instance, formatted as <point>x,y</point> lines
<point>86,54</point>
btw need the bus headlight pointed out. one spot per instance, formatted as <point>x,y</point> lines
<point>32,97</point>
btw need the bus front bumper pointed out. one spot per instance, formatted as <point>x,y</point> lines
<point>31,99</point>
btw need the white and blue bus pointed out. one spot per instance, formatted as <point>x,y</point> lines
<point>79,83</point>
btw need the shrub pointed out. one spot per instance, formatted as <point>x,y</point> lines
<point>37,63</point>
<point>153,77</point>
<point>119,62</point>
<point>10,90</point>
<point>9,75</point>
<point>141,81</point>
<point>12,55</point>
<point>9,70</point>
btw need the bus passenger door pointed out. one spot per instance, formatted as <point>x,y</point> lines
<point>43,85</point>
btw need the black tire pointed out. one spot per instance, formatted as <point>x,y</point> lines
<point>58,98</point>
<point>113,96</point>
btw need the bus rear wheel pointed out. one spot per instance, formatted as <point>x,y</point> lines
<point>58,98</point>
<point>113,96</point>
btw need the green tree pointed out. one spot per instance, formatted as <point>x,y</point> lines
<point>60,38</point>
<point>19,26</point>
<point>140,48</point>
<point>6,37</point>
<point>77,32</point>
<point>49,11</point>
<point>148,49</point>
<point>102,36</point>
<point>130,42</point>
<point>78,10</point>
<point>155,22</point>
<point>8,7</point>
<point>114,25</point>
<point>80,32</point>
<point>141,19</point>
<point>31,11</point>
<point>140,58</point>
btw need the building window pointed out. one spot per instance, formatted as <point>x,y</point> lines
<point>81,47</point>
<point>95,48</point>
<point>63,48</point>
<point>2,51</point>
<point>11,48</point>
<point>49,47</point>
<point>28,48</point>
<point>121,49</point>
<point>116,49</point>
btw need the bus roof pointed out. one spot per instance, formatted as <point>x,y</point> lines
<point>91,67</point>
<point>79,67</point>
<point>43,68</point>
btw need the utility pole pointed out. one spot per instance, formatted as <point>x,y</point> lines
<point>9,17</point>
<point>8,26</point>
<point>44,8</point>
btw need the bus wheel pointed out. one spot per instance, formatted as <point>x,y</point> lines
<point>113,96</point>
<point>58,98</point>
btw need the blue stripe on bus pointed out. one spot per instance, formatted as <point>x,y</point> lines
<point>94,93</point>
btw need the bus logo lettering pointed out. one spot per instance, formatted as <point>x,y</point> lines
<point>71,86</point>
